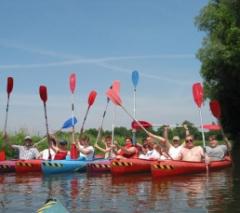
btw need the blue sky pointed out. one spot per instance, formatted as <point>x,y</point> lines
<point>43,42</point>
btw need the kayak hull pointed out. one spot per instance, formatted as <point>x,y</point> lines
<point>130,166</point>
<point>99,166</point>
<point>7,166</point>
<point>63,166</point>
<point>173,168</point>
<point>23,166</point>
<point>52,205</point>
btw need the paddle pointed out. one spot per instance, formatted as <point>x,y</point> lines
<point>197,91</point>
<point>135,79</point>
<point>9,90</point>
<point>91,99</point>
<point>66,124</point>
<point>44,97</point>
<point>213,127</point>
<point>72,85</point>
<point>114,97</point>
<point>216,111</point>
<point>143,123</point>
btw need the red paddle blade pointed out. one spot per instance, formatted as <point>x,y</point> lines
<point>116,86</point>
<point>92,97</point>
<point>145,124</point>
<point>9,85</point>
<point>111,94</point>
<point>74,152</point>
<point>72,82</point>
<point>215,108</point>
<point>212,127</point>
<point>43,93</point>
<point>197,91</point>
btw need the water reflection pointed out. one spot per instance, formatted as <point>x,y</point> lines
<point>215,192</point>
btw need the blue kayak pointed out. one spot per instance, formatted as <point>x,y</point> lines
<point>52,205</point>
<point>63,166</point>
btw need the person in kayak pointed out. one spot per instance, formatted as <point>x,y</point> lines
<point>109,150</point>
<point>83,146</point>
<point>44,154</point>
<point>216,151</point>
<point>128,150</point>
<point>60,150</point>
<point>190,152</point>
<point>27,151</point>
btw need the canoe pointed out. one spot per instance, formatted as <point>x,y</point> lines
<point>63,166</point>
<point>130,166</point>
<point>52,205</point>
<point>7,166</point>
<point>28,166</point>
<point>174,167</point>
<point>99,166</point>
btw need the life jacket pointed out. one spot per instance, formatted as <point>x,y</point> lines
<point>60,155</point>
<point>74,153</point>
<point>133,155</point>
<point>2,155</point>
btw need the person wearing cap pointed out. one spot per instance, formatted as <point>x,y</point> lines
<point>27,151</point>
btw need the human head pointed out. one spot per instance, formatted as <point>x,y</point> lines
<point>150,143</point>
<point>189,142</point>
<point>176,141</point>
<point>108,140</point>
<point>128,141</point>
<point>28,141</point>
<point>63,144</point>
<point>212,141</point>
<point>84,140</point>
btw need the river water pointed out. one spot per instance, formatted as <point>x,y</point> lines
<point>216,192</point>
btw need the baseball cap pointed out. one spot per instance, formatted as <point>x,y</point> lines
<point>28,138</point>
<point>176,138</point>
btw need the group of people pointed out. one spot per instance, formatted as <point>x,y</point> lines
<point>154,147</point>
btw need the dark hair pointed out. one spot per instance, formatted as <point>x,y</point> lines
<point>128,138</point>
<point>108,137</point>
<point>63,142</point>
<point>212,137</point>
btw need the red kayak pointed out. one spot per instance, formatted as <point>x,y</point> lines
<point>28,166</point>
<point>99,166</point>
<point>174,167</point>
<point>7,166</point>
<point>130,166</point>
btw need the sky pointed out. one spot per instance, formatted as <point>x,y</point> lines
<point>43,42</point>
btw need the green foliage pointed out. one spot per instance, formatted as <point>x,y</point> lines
<point>220,54</point>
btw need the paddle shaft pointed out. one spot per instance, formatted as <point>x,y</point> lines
<point>46,124</point>
<point>134,114</point>
<point>73,126</point>
<point>84,120</point>
<point>104,114</point>
<point>6,117</point>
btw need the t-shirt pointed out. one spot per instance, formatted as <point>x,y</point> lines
<point>174,151</point>
<point>90,155</point>
<point>151,154</point>
<point>45,154</point>
<point>216,153</point>
<point>27,153</point>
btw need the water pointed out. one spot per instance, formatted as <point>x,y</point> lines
<point>217,192</point>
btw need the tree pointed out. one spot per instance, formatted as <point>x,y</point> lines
<point>220,57</point>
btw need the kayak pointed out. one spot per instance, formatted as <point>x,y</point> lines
<point>63,166</point>
<point>99,166</point>
<point>28,166</point>
<point>129,166</point>
<point>7,166</point>
<point>52,205</point>
<point>174,167</point>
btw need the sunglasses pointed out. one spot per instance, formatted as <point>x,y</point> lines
<point>190,140</point>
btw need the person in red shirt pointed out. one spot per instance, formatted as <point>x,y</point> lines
<point>61,150</point>
<point>128,150</point>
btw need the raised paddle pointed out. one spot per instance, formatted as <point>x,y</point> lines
<point>44,97</point>
<point>91,99</point>
<point>135,79</point>
<point>9,90</point>
<point>213,127</point>
<point>72,85</point>
<point>66,124</point>
<point>197,91</point>
<point>113,96</point>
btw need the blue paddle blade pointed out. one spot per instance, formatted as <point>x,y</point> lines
<point>69,123</point>
<point>135,78</point>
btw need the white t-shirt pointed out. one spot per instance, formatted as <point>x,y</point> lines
<point>174,151</point>
<point>27,153</point>
<point>151,154</point>
<point>45,154</point>
<point>90,155</point>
